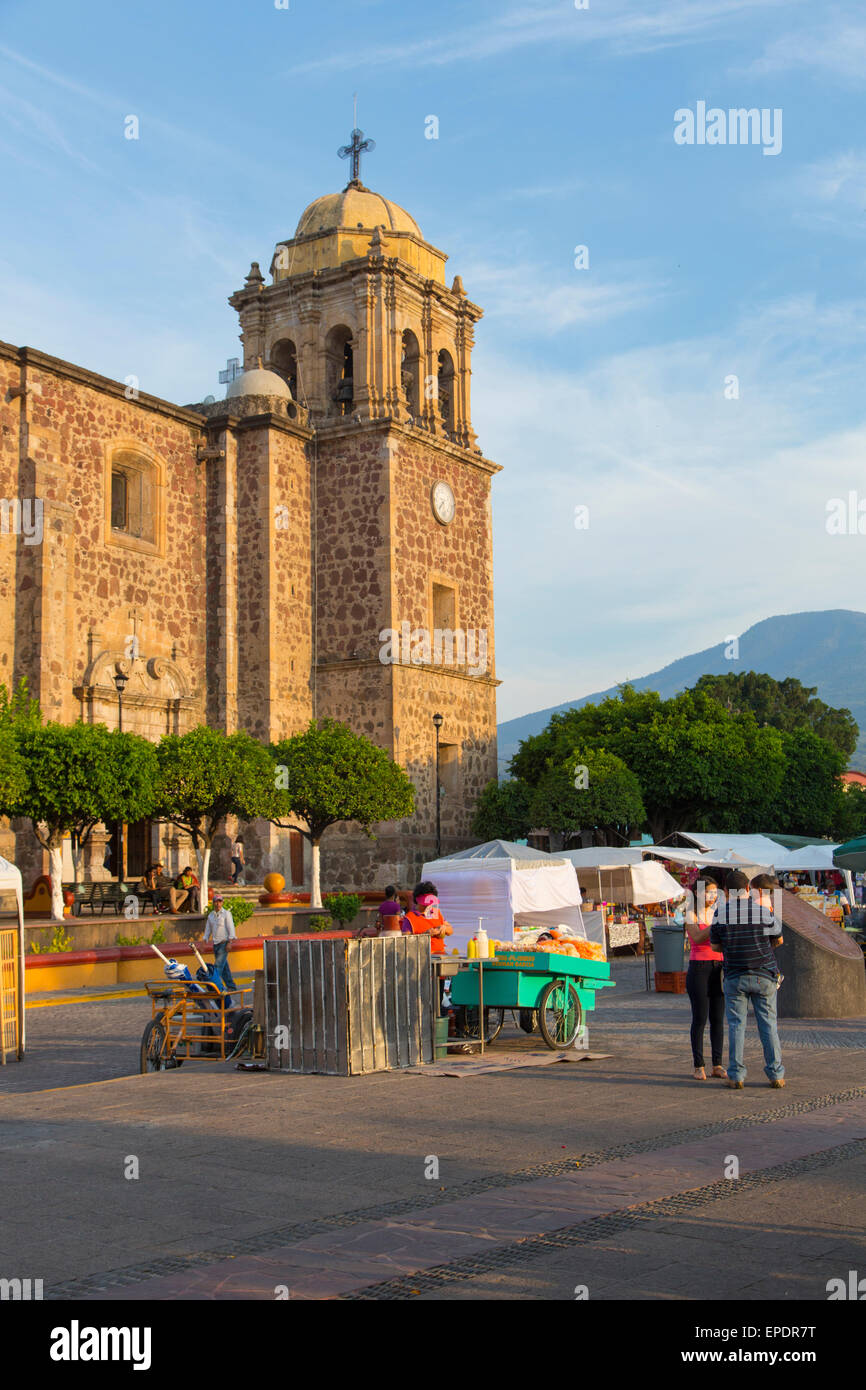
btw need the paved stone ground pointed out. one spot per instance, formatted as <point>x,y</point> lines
<point>608,1174</point>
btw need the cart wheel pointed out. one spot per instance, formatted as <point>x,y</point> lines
<point>152,1044</point>
<point>559,1014</point>
<point>239,1035</point>
<point>493,1018</point>
<point>527,1019</point>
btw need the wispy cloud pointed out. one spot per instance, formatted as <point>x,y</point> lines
<point>36,123</point>
<point>118,106</point>
<point>833,47</point>
<point>831,193</point>
<point>620,24</point>
<point>698,504</point>
<point>543,303</point>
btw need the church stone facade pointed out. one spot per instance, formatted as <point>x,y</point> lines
<point>318,543</point>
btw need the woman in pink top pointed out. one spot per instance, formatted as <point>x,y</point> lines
<point>704,981</point>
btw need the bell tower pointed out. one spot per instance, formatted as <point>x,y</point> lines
<point>360,324</point>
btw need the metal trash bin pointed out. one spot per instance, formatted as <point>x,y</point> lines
<point>346,1007</point>
<point>669,948</point>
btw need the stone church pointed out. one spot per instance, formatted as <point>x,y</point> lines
<point>318,543</point>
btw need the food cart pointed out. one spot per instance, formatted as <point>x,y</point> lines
<point>559,988</point>
<point>515,893</point>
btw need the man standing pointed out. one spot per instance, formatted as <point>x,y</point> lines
<point>220,929</point>
<point>741,929</point>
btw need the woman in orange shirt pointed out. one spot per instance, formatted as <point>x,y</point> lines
<point>425,918</point>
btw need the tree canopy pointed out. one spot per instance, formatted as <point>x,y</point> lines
<point>590,790</point>
<point>328,774</point>
<point>76,776</point>
<point>204,776</point>
<point>785,705</point>
<point>502,811</point>
<point>699,765</point>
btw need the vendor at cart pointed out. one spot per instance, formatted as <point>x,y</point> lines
<point>425,918</point>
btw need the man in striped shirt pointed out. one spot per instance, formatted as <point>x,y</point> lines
<point>742,929</point>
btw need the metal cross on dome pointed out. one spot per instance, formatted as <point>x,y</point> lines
<point>355,149</point>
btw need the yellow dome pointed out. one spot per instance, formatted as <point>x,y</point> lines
<point>355,207</point>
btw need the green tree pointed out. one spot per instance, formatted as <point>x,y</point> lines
<point>698,765</point>
<point>328,774</point>
<point>204,776</point>
<point>591,790</point>
<point>502,811</point>
<point>17,711</point>
<point>78,775</point>
<point>786,705</point>
<point>849,816</point>
<point>808,798</point>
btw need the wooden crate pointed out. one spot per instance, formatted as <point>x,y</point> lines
<point>670,981</point>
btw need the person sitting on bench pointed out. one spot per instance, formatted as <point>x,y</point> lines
<point>154,887</point>
<point>184,893</point>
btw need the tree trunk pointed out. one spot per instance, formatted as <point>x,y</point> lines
<point>202,855</point>
<point>315,876</point>
<point>55,860</point>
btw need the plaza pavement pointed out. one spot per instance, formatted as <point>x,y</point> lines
<point>608,1174</point>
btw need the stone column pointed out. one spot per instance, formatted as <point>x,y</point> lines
<point>222,662</point>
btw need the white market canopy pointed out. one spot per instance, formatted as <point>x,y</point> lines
<point>729,849</point>
<point>618,875</point>
<point>818,858</point>
<point>511,887</point>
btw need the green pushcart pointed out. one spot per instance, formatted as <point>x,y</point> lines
<point>560,989</point>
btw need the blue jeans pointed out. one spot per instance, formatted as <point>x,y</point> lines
<point>220,957</point>
<point>739,989</point>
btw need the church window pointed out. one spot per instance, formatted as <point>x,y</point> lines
<point>340,370</point>
<point>410,373</point>
<point>119,500</point>
<point>133,499</point>
<point>446,390</point>
<point>284,361</point>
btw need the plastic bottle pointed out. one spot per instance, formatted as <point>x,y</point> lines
<point>482,943</point>
<point>472,949</point>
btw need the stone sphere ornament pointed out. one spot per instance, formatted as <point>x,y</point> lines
<point>274,883</point>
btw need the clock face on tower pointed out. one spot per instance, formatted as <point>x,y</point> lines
<point>443,502</point>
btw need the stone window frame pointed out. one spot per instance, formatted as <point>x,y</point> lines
<point>131,455</point>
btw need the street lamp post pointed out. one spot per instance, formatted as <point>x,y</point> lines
<point>120,681</point>
<point>437,722</point>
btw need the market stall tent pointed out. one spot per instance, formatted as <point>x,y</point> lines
<point>605,875</point>
<point>12,968</point>
<point>512,888</point>
<point>745,849</point>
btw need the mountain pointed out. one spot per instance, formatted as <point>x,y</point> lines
<point>826,650</point>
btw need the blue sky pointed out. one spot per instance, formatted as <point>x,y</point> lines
<point>602,387</point>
